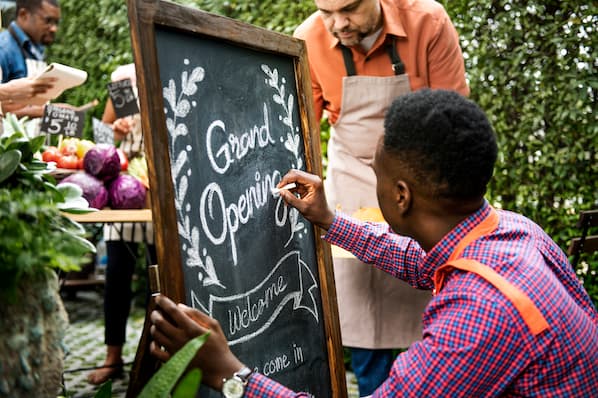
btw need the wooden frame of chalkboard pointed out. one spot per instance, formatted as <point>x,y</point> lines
<point>229,109</point>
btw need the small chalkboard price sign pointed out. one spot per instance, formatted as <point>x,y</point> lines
<point>102,132</point>
<point>234,115</point>
<point>123,98</point>
<point>61,120</point>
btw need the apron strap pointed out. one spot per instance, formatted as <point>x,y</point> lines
<point>397,65</point>
<point>348,58</point>
<point>530,313</point>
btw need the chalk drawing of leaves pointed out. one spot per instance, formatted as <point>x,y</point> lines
<point>169,93</point>
<point>292,143</point>
<point>180,162</point>
<point>190,86</point>
<point>170,124</point>
<point>290,104</point>
<point>293,140</point>
<point>183,186</point>
<point>211,278</point>
<point>180,130</point>
<point>296,225</point>
<point>184,230</point>
<point>182,108</point>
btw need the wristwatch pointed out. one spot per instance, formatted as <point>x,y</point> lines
<point>235,386</point>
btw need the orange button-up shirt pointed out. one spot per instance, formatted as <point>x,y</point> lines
<point>427,43</point>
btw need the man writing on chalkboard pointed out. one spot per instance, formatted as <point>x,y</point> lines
<point>362,54</point>
<point>509,316</point>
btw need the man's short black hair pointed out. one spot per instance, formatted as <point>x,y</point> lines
<point>33,5</point>
<point>444,140</point>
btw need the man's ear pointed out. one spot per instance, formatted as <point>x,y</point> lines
<point>403,196</point>
<point>23,13</point>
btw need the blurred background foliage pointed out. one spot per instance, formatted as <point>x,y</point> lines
<point>531,66</point>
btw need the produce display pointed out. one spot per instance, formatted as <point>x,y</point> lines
<point>69,153</point>
<point>103,172</point>
<point>102,161</point>
<point>126,192</point>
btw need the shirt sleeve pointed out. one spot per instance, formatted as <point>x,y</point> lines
<point>375,243</point>
<point>469,349</point>
<point>259,386</point>
<point>445,59</point>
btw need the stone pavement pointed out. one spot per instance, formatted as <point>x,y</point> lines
<point>85,346</point>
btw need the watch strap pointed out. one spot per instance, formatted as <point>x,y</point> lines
<point>244,374</point>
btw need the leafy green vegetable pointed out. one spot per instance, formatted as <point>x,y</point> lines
<point>165,379</point>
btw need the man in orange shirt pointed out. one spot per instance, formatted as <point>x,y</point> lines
<point>362,54</point>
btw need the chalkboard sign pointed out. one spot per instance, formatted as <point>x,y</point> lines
<point>102,132</point>
<point>235,115</point>
<point>123,98</point>
<point>61,120</point>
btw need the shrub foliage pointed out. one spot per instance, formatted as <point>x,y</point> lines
<point>531,66</point>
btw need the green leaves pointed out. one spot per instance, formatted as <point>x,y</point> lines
<point>165,379</point>
<point>34,234</point>
<point>9,161</point>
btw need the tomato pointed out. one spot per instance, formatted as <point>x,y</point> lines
<point>68,146</point>
<point>80,164</point>
<point>68,162</point>
<point>124,161</point>
<point>51,154</point>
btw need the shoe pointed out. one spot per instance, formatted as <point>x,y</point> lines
<point>103,373</point>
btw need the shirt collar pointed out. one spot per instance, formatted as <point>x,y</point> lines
<point>36,51</point>
<point>392,25</point>
<point>441,252</point>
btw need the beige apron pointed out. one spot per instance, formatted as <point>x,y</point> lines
<point>376,310</point>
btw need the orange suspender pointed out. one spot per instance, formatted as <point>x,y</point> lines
<point>527,309</point>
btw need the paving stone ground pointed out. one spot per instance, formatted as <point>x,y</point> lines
<point>85,344</point>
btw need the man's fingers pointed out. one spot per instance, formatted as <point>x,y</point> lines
<point>174,312</point>
<point>202,320</point>
<point>162,324</point>
<point>160,338</point>
<point>157,352</point>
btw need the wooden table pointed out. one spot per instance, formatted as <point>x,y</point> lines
<point>110,216</point>
<point>104,216</point>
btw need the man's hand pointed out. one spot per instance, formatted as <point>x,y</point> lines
<point>312,199</point>
<point>174,325</point>
<point>20,91</point>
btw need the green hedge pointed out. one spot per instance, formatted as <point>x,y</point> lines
<point>530,64</point>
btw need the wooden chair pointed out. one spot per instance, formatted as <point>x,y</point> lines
<point>585,243</point>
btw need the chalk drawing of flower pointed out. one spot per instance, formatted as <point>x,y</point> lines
<point>292,139</point>
<point>180,106</point>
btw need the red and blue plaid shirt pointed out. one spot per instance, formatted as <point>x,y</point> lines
<point>475,343</point>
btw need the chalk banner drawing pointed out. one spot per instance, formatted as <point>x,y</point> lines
<point>249,260</point>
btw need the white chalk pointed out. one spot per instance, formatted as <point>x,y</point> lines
<point>276,191</point>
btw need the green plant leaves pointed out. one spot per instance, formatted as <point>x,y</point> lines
<point>9,161</point>
<point>189,385</point>
<point>165,379</point>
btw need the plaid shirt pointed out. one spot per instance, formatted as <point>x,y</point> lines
<point>475,343</point>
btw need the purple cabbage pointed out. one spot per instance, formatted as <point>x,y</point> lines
<point>102,161</point>
<point>94,190</point>
<point>126,192</point>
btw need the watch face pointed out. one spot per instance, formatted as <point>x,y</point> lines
<point>233,388</point>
